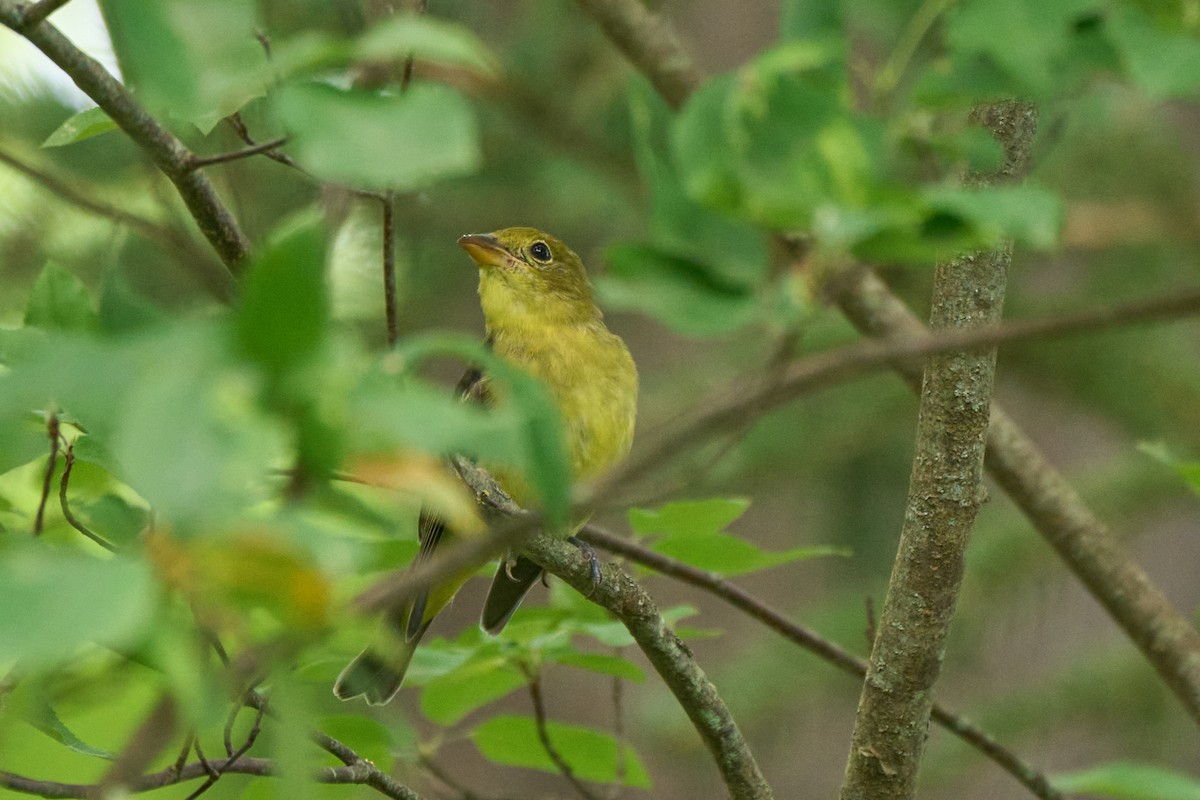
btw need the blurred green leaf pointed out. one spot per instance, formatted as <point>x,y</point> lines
<point>542,452</point>
<point>43,717</point>
<point>1188,471</point>
<point>599,662</point>
<point>59,301</point>
<point>450,697</point>
<point>84,125</point>
<point>113,518</point>
<point>688,517</point>
<point>168,52</point>
<point>123,310</point>
<point>513,741</point>
<point>382,141</point>
<point>284,308</point>
<point>368,737</point>
<point>729,556</point>
<point>685,295</point>
<point>778,140</point>
<point>1028,213</point>
<point>1163,63</point>
<point>54,602</point>
<point>732,249</point>
<point>426,38</point>
<point>691,532</point>
<point>1032,41</point>
<point>1126,781</point>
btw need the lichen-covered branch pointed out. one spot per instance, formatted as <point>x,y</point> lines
<point>620,594</point>
<point>1165,637</point>
<point>814,643</point>
<point>165,149</point>
<point>650,42</point>
<point>944,496</point>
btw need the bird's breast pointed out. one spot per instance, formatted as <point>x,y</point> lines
<point>593,381</point>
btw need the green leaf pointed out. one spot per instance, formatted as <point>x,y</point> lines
<point>728,555</point>
<point>425,38</point>
<point>43,717</point>
<point>59,301</point>
<point>691,532</point>
<point>113,518</point>
<point>368,737</point>
<point>732,249</point>
<point>168,52</point>
<point>1128,781</point>
<point>121,309</point>
<point>778,140</point>
<point>685,295</point>
<point>52,603</point>
<point>1188,471</point>
<point>542,452</point>
<point>84,125</point>
<point>191,437</point>
<point>1164,63</point>
<point>402,142</point>
<point>1032,41</point>
<point>689,517</point>
<point>449,698</point>
<point>1027,213</point>
<point>284,311</point>
<point>592,755</point>
<point>599,662</point>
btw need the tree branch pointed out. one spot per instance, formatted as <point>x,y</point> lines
<point>72,520</point>
<point>814,643</point>
<point>650,42</point>
<point>261,148</point>
<point>539,717</point>
<point>944,497</point>
<point>621,595</point>
<point>164,148</point>
<point>1165,637</point>
<point>362,773</point>
<point>35,13</point>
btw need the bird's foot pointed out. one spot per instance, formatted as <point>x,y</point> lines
<point>589,553</point>
<point>510,561</point>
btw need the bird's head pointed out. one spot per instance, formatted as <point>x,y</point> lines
<point>526,274</point>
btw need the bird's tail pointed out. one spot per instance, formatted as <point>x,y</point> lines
<point>509,587</point>
<point>377,672</point>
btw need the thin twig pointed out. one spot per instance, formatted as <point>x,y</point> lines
<point>814,643</point>
<point>617,592</point>
<point>184,752</point>
<point>72,520</point>
<point>430,766</point>
<point>164,148</point>
<point>820,371</point>
<point>363,774</point>
<point>539,718</point>
<point>198,162</point>
<point>37,12</point>
<point>389,268</point>
<point>232,760</point>
<point>52,431</point>
<point>835,366</point>
<point>618,694</point>
<point>1166,638</point>
<point>239,126</point>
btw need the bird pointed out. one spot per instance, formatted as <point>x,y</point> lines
<point>540,316</point>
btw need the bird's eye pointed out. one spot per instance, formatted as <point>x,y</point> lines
<point>540,251</point>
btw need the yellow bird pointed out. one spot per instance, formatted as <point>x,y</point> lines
<point>540,317</point>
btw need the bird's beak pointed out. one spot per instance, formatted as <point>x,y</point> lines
<point>485,249</point>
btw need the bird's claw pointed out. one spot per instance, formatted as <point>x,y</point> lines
<point>588,552</point>
<point>509,562</point>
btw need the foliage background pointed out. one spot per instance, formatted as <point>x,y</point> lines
<point>1031,657</point>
